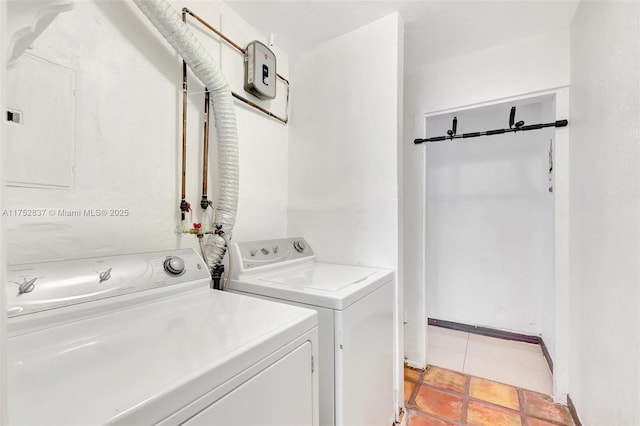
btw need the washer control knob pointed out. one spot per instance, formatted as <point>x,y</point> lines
<point>27,286</point>
<point>253,252</point>
<point>299,246</point>
<point>174,266</point>
<point>105,275</point>
<point>275,249</point>
<point>265,251</point>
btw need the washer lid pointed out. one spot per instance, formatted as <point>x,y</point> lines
<point>140,365</point>
<point>319,284</point>
<point>322,277</point>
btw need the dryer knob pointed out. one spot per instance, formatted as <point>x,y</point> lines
<point>27,286</point>
<point>174,266</point>
<point>299,246</point>
<point>105,275</point>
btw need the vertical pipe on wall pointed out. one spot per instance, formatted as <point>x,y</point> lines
<point>167,21</point>
<point>183,187</point>
<point>204,203</point>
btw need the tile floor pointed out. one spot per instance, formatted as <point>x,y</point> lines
<point>506,361</point>
<point>442,397</point>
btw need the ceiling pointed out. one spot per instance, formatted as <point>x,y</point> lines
<point>434,30</point>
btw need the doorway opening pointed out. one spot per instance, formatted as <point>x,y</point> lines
<point>490,243</point>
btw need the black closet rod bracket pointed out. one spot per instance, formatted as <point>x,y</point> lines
<point>516,128</point>
<point>512,120</point>
<point>454,128</point>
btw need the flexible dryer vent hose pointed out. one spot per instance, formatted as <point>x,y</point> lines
<point>169,22</point>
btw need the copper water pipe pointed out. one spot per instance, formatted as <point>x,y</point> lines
<point>204,203</point>
<point>206,24</point>
<point>183,194</point>
<point>222,36</point>
<point>258,107</point>
<point>285,120</point>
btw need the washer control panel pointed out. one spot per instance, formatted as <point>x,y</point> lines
<point>255,254</point>
<point>37,287</point>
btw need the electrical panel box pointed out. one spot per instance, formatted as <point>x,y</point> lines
<point>260,71</point>
<point>40,126</point>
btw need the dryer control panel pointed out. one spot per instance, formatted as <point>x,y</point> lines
<point>38,287</point>
<point>259,255</point>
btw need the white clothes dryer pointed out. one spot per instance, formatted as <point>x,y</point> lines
<point>355,314</point>
<point>142,339</point>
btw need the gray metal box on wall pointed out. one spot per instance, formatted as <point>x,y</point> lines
<point>260,71</point>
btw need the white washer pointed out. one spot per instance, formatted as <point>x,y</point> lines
<point>141,339</point>
<point>355,311</point>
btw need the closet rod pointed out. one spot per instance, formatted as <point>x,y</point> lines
<point>558,123</point>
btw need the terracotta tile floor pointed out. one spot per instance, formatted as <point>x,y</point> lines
<point>442,397</point>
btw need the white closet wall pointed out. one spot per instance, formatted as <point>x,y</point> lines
<point>489,227</point>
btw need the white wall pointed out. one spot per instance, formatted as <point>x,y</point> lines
<point>605,212</point>
<point>343,185</point>
<point>343,154</point>
<point>3,253</point>
<point>490,230</point>
<point>511,70</point>
<point>127,135</point>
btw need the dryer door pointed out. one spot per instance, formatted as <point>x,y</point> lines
<point>280,395</point>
